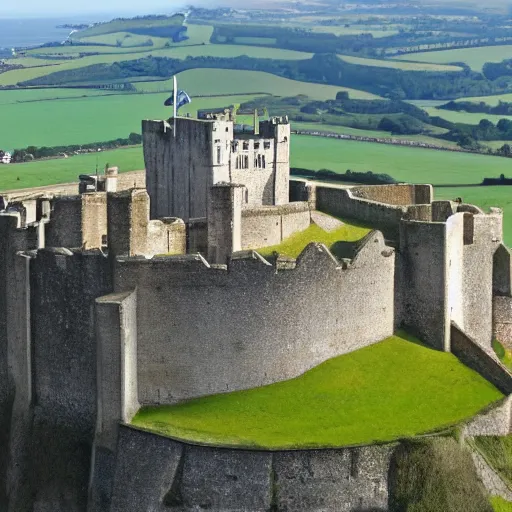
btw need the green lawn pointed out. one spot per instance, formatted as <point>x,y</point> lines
<point>408,66</point>
<point>65,170</point>
<point>463,117</point>
<point>391,390</point>
<point>490,100</point>
<point>501,505</point>
<point>124,38</point>
<point>296,243</point>
<point>475,58</point>
<point>178,52</point>
<point>228,81</point>
<point>90,119</point>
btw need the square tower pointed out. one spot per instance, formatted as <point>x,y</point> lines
<point>182,167</point>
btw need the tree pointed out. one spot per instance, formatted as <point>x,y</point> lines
<point>342,95</point>
<point>505,150</point>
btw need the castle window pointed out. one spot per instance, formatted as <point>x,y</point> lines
<point>227,128</point>
<point>256,145</point>
<point>266,144</point>
<point>217,141</point>
<point>246,196</point>
<point>259,161</point>
<point>246,162</point>
<point>263,161</point>
<point>218,155</point>
<point>245,146</point>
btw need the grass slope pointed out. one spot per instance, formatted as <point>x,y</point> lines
<point>66,170</point>
<point>497,451</point>
<point>407,66</point>
<point>229,81</point>
<point>91,119</point>
<point>295,244</point>
<point>32,95</point>
<point>475,58</point>
<point>390,390</point>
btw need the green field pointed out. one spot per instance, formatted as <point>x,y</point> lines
<point>475,58</point>
<point>408,66</point>
<point>124,25</point>
<point>415,165</point>
<point>91,119</point>
<point>490,100</point>
<point>346,130</point>
<point>338,403</point>
<point>122,39</point>
<point>179,52</point>
<point>353,30</point>
<point>463,117</point>
<point>14,96</point>
<point>228,81</point>
<point>66,170</point>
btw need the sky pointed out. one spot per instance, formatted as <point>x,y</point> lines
<point>59,8</point>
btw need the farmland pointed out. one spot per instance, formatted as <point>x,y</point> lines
<point>475,58</point>
<point>464,117</point>
<point>409,66</point>
<point>220,50</point>
<point>227,81</point>
<point>91,119</point>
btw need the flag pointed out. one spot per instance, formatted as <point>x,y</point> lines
<point>182,98</point>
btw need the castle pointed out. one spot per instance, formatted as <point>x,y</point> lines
<point>149,290</point>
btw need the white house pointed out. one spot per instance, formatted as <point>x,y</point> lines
<point>5,158</point>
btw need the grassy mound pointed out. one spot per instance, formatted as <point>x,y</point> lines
<point>435,475</point>
<point>295,244</point>
<point>393,389</point>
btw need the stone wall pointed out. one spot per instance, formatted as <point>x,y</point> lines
<point>94,220</point>
<point>502,320</point>
<point>300,317</point>
<point>64,371</point>
<point>270,225</point>
<point>493,422</point>
<point>65,226</point>
<point>422,281</point>
<point>478,359</point>
<point>181,477</point>
<point>179,167</point>
<point>399,195</point>
<point>14,329</point>
<point>485,236</point>
<point>166,236</point>
<point>342,203</point>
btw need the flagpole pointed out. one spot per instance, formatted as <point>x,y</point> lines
<point>175,99</point>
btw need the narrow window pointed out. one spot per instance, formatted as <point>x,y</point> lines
<point>245,146</point>
<point>266,144</point>
<point>263,161</point>
<point>246,162</point>
<point>256,145</point>
<point>218,155</point>
<point>246,196</point>
<point>259,161</point>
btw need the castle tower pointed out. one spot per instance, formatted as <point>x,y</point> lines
<point>182,167</point>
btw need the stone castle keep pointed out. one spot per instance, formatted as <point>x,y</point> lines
<point>153,292</point>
